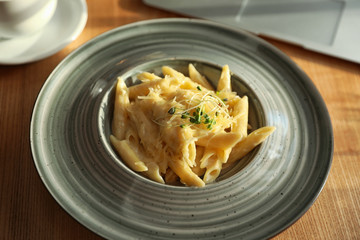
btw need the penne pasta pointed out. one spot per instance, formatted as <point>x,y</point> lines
<point>207,155</point>
<point>213,169</point>
<point>241,112</point>
<point>196,77</point>
<point>222,140</point>
<point>189,148</point>
<point>128,154</point>
<point>166,70</point>
<point>145,88</point>
<point>146,77</point>
<point>199,155</point>
<point>187,176</point>
<point>120,119</point>
<point>153,172</point>
<point>223,155</point>
<point>249,143</point>
<point>224,81</point>
<point>176,130</point>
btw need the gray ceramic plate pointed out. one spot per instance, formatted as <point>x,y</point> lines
<point>264,193</point>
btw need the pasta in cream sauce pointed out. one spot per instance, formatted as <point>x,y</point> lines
<point>179,129</point>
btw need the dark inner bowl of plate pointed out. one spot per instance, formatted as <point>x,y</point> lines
<point>212,73</point>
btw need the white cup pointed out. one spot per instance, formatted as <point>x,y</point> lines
<point>24,17</point>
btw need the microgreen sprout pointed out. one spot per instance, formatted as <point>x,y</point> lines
<point>185,115</point>
<point>172,110</point>
<point>193,110</point>
<point>211,124</point>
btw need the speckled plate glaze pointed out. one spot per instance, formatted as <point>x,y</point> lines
<point>264,193</point>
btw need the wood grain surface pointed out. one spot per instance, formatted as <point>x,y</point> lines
<point>27,210</point>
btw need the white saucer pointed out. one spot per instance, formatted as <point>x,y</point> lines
<point>66,25</point>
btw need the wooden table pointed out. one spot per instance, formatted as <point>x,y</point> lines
<point>27,210</point>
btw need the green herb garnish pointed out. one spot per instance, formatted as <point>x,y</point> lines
<point>211,124</point>
<point>185,115</point>
<point>172,110</point>
<point>199,116</point>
